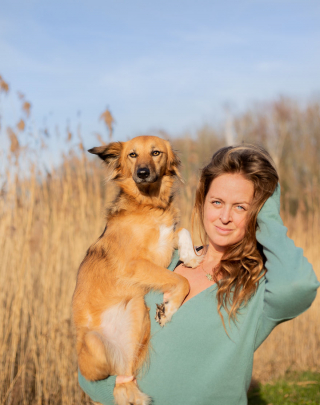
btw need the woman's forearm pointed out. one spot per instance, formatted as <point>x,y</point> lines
<point>99,391</point>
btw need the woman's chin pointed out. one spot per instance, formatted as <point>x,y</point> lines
<point>218,245</point>
<point>221,243</point>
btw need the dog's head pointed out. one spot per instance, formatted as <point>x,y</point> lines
<point>145,158</point>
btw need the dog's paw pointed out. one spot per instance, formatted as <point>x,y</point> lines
<point>193,261</point>
<point>161,314</point>
<point>164,312</point>
<point>129,394</point>
<point>186,252</point>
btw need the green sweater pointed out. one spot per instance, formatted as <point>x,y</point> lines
<point>192,359</point>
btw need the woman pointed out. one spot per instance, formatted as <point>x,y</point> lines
<point>238,294</point>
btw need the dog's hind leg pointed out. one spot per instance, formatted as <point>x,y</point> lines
<point>143,337</point>
<point>118,348</point>
<point>92,357</point>
<point>129,393</point>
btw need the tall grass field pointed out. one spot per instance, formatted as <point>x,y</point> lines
<point>49,218</point>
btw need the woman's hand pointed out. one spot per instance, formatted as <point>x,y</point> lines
<point>121,379</point>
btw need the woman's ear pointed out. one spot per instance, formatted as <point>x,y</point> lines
<point>111,155</point>
<point>173,162</point>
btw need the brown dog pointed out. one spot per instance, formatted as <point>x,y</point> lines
<point>128,260</point>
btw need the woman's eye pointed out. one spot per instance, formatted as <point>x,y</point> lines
<point>240,208</point>
<point>216,203</point>
<point>133,155</point>
<point>155,153</point>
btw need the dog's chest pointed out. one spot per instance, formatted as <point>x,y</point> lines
<point>165,238</point>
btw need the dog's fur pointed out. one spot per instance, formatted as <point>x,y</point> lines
<point>128,260</point>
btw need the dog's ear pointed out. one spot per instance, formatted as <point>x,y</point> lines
<point>108,153</point>
<point>173,162</point>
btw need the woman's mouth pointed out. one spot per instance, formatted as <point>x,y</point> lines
<point>223,231</point>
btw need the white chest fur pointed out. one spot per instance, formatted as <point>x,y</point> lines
<point>165,238</point>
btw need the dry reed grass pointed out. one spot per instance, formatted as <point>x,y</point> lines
<point>47,221</point>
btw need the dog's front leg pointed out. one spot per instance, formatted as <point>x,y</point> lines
<point>150,276</point>
<point>187,253</point>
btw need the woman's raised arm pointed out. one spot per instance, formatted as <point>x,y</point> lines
<point>291,284</point>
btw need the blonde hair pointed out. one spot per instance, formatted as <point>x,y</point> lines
<point>242,264</point>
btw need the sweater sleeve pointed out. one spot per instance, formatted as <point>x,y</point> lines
<point>99,391</point>
<point>291,284</point>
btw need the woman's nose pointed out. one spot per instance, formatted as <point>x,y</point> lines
<point>225,215</point>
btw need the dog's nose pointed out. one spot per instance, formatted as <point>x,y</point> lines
<point>143,172</point>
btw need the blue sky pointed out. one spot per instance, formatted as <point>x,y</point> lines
<point>170,65</point>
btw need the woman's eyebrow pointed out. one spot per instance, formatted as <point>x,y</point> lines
<point>243,202</point>
<point>219,198</point>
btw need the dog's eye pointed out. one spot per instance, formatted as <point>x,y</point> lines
<point>133,155</point>
<point>155,153</point>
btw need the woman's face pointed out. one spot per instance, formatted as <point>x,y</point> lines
<point>226,209</point>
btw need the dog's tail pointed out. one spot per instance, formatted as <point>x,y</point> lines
<point>129,393</point>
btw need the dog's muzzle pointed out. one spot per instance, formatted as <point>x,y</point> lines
<point>144,175</point>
